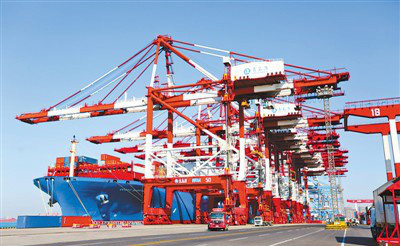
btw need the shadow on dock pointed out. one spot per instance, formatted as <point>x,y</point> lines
<point>357,240</point>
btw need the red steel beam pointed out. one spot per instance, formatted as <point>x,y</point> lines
<point>382,128</point>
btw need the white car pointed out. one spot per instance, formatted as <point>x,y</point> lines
<point>258,221</point>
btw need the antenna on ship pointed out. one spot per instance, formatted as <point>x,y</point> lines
<point>73,154</point>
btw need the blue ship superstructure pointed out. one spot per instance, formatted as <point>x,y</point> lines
<point>110,199</point>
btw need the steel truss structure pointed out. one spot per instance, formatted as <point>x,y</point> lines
<point>388,195</point>
<point>380,108</point>
<point>245,137</point>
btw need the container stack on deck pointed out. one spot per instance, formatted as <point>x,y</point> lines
<point>246,141</point>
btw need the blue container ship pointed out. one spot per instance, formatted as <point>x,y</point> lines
<point>111,191</point>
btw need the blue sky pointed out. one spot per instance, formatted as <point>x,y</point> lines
<point>52,48</point>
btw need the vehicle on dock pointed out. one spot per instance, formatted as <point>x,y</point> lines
<point>339,223</point>
<point>384,213</point>
<point>219,220</point>
<point>258,221</point>
<point>353,222</point>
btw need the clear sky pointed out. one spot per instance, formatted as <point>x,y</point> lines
<point>52,48</point>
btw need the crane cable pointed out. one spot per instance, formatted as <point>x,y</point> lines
<point>124,189</point>
<point>48,192</point>
<point>52,192</point>
<point>41,194</point>
<point>100,78</point>
<point>77,196</point>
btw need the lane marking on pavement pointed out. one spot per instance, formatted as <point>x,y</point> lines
<point>114,240</point>
<point>296,238</point>
<point>197,238</point>
<point>82,244</point>
<point>236,239</point>
<point>202,245</point>
<point>344,238</point>
<point>263,235</point>
<point>159,237</point>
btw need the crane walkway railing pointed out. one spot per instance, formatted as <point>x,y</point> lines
<point>373,103</point>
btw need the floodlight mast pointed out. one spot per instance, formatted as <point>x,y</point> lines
<point>325,93</point>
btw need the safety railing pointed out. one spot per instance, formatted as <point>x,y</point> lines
<point>373,103</point>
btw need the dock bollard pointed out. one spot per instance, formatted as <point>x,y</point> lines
<point>111,225</point>
<point>126,225</point>
<point>77,225</point>
<point>94,226</point>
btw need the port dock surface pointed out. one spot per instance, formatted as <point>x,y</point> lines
<point>294,234</point>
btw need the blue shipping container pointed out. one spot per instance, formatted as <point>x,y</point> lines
<point>36,221</point>
<point>7,224</point>
<point>85,159</point>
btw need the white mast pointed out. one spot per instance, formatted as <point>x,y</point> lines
<point>73,154</point>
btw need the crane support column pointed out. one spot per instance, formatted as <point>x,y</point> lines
<point>384,130</point>
<point>148,172</point>
<point>170,136</point>
<point>306,198</point>
<point>242,153</point>
<point>228,163</point>
<point>395,146</point>
<point>388,161</point>
<point>267,169</point>
<point>198,139</point>
<point>170,142</point>
<point>153,72</point>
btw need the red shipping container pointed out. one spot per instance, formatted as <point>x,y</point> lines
<point>60,160</point>
<point>68,221</point>
<point>112,162</point>
<point>105,157</point>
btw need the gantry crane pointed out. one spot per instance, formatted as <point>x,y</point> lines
<point>243,139</point>
<point>380,108</point>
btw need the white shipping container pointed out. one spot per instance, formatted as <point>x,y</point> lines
<point>384,209</point>
<point>279,109</point>
<point>138,169</point>
<point>379,214</point>
<point>255,70</point>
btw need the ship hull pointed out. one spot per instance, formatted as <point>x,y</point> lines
<point>110,200</point>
